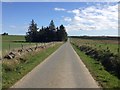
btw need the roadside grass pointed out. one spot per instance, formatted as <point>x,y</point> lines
<point>32,60</point>
<point>104,78</point>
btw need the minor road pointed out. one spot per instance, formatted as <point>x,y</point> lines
<point>63,69</point>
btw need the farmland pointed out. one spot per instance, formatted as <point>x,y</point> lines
<point>10,42</point>
<point>103,44</point>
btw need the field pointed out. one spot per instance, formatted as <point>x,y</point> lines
<point>103,44</point>
<point>10,42</point>
<point>101,56</point>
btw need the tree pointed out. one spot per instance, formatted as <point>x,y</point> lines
<point>5,33</point>
<point>46,34</point>
<point>52,25</point>
<point>32,32</point>
<point>61,33</point>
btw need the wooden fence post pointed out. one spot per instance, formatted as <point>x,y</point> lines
<point>22,46</point>
<point>118,49</point>
<point>9,46</point>
<point>36,45</point>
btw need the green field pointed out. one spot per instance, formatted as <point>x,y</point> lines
<point>112,45</point>
<point>13,38</point>
<point>10,42</point>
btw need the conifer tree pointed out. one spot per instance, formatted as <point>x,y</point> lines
<point>32,32</point>
<point>52,25</point>
<point>46,34</point>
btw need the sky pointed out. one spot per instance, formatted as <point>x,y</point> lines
<point>79,18</point>
<point>59,0</point>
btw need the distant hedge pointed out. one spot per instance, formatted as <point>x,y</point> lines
<point>5,33</point>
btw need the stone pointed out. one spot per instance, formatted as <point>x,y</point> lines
<point>8,56</point>
<point>12,54</point>
<point>20,51</point>
<point>0,58</point>
<point>31,49</point>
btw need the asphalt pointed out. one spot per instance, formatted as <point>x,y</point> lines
<point>62,69</point>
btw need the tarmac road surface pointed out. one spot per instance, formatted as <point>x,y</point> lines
<point>62,69</point>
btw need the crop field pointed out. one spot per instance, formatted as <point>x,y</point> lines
<point>10,42</point>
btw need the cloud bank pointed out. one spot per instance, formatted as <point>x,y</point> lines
<point>100,17</point>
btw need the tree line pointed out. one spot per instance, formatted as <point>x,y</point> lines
<point>46,34</point>
<point>4,33</point>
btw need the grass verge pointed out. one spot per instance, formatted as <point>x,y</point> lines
<point>32,60</point>
<point>104,78</point>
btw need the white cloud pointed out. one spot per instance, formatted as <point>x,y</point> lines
<point>59,9</point>
<point>68,19</point>
<point>76,11</point>
<point>94,18</point>
<point>77,18</point>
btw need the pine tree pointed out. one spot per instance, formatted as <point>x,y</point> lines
<point>52,25</point>
<point>46,34</point>
<point>32,32</point>
<point>62,34</point>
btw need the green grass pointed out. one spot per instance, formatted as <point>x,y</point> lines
<point>104,78</point>
<point>10,42</point>
<point>10,77</point>
<point>8,46</point>
<point>111,44</point>
<point>13,38</point>
<point>113,47</point>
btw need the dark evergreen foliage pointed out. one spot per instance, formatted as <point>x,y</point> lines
<point>46,34</point>
<point>5,33</point>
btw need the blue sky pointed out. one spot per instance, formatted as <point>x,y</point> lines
<point>60,0</point>
<point>79,18</point>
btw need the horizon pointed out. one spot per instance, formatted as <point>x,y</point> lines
<point>79,18</point>
<point>68,35</point>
